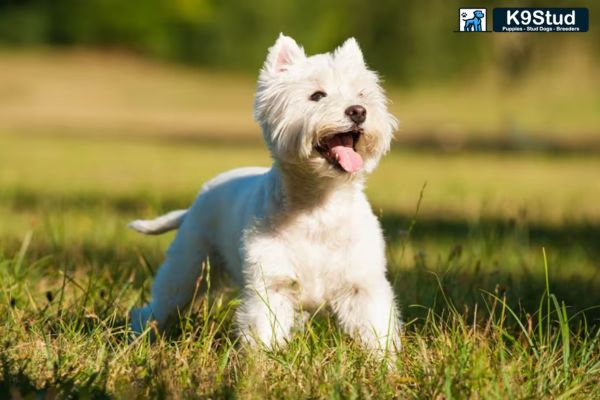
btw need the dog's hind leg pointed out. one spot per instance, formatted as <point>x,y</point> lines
<point>176,279</point>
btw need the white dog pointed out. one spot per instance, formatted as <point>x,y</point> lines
<point>300,234</point>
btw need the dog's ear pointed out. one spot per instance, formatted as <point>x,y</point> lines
<point>284,53</point>
<point>350,52</point>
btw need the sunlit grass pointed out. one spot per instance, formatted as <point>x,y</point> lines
<point>64,331</point>
<point>549,189</point>
<point>88,93</point>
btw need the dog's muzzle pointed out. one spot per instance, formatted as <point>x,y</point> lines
<point>340,150</point>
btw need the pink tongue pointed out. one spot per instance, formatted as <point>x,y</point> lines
<point>341,147</point>
<point>348,159</point>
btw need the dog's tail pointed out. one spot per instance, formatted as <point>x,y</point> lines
<point>164,223</point>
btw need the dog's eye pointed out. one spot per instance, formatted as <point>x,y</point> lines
<point>318,95</point>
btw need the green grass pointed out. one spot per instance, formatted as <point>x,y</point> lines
<point>487,314</point>
<point>131,173</point>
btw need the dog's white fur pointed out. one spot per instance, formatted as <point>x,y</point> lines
<point>301,234</point>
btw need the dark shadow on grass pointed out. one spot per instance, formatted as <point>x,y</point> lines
<point>570,234</point>
<point>25,200</point>
<point>501,264</point>
<point>585,143</point>
<point>20,386</point>
<point>465,276</point>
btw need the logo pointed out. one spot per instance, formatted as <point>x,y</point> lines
<point>472,19</point>
<point>541,19</point>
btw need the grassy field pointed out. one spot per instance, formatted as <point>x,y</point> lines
<point>88,93</point>
<point>469,277</point>
<point>88,143</point>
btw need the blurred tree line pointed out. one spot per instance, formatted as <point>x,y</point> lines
<point>408,41</point>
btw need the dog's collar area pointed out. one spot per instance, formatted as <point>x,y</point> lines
<point>340,150</point>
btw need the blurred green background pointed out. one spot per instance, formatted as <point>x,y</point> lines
<point>450,90</point>
<point>408,41</point>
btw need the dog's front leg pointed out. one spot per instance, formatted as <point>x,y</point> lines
<point>266,315</point>
<point>367,311</point>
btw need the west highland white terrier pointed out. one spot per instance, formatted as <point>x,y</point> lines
<point>301,234</point>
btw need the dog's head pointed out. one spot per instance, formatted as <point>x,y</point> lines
<point>326,113</point>
<point>478,14</point>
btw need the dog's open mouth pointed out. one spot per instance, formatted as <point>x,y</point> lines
<point>340,150</point>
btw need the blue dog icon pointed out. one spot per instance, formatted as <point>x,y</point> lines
<point>474,24</point>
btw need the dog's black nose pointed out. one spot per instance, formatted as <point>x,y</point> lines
<point>358,114</point>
